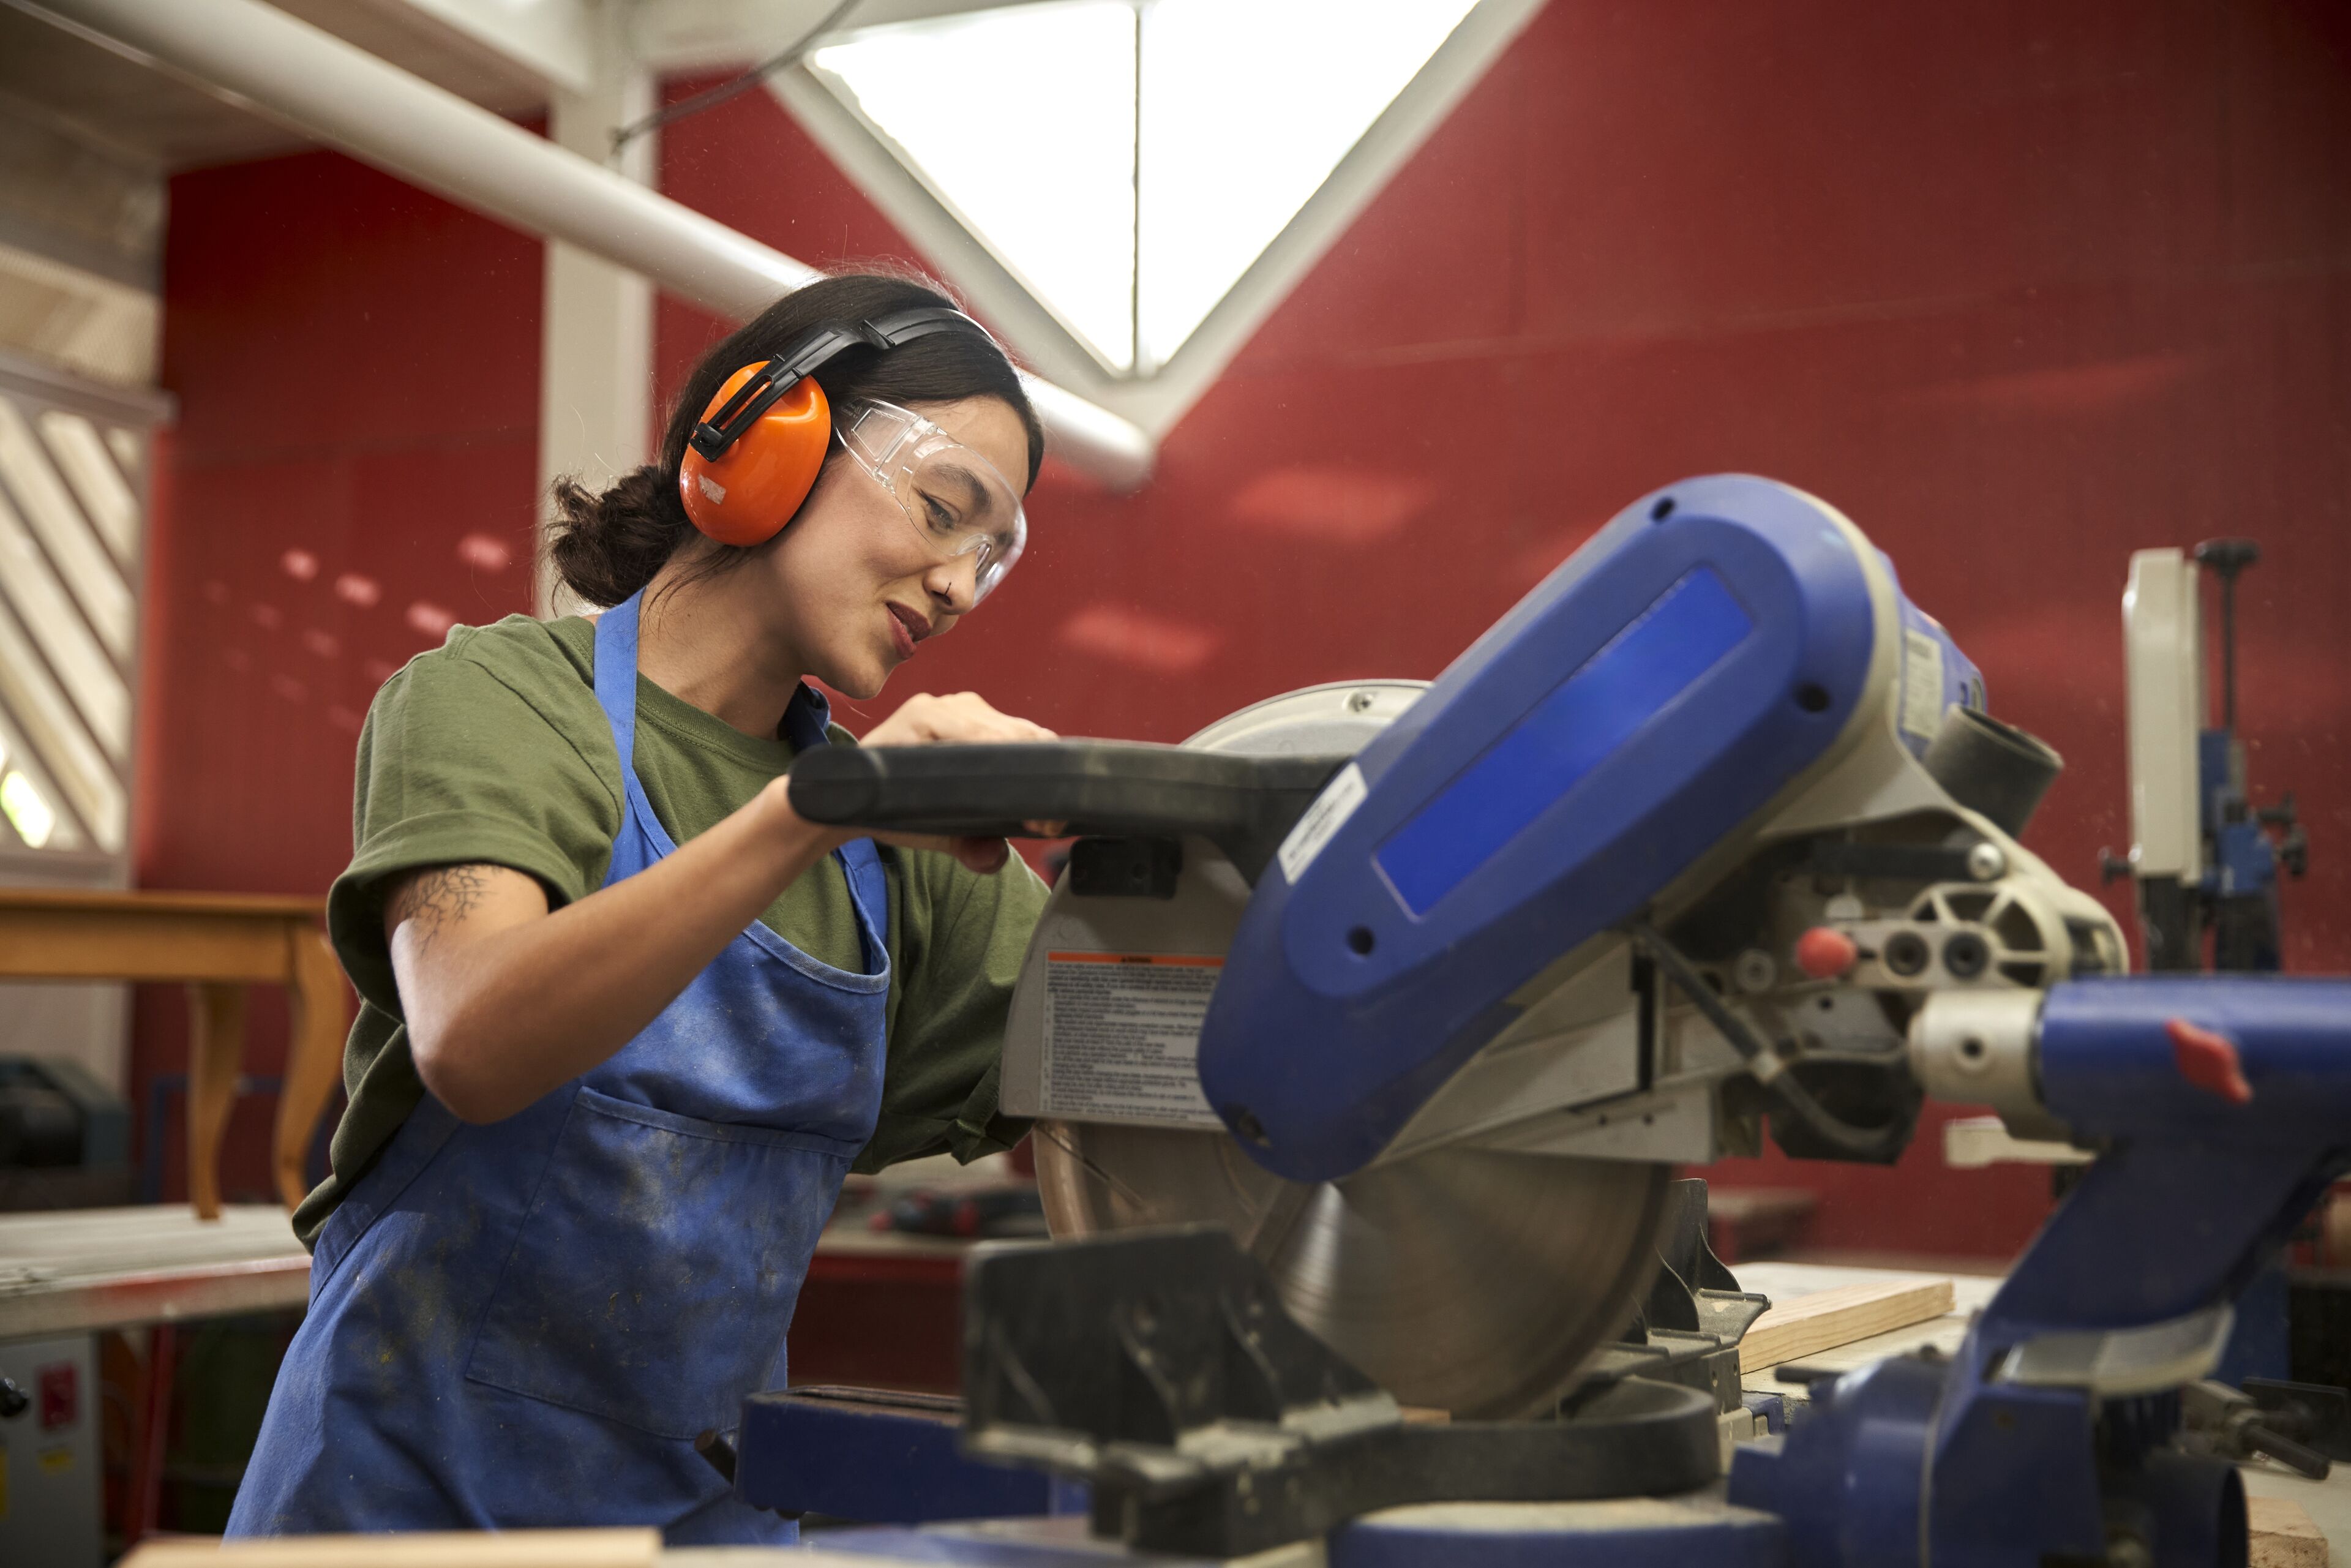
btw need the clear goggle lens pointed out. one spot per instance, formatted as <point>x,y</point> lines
<point>956,499</point>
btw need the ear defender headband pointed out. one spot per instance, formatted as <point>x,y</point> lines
<point>754,454</point>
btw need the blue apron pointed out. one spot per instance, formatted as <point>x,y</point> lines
<point>526,1324</point>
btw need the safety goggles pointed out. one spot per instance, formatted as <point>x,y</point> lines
<point>956,499</point>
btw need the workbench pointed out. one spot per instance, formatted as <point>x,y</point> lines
<point>83,1270</point>
<point>2328,1503</point>
<point>86,1270</point>
<point>883,1308</point>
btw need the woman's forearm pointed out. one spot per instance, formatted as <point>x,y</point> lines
<point>502,1015</point>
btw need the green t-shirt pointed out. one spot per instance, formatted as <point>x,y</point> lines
<point>492,748</point>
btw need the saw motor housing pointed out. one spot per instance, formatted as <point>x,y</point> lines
<point>1778,779</point>
<point>1423,991</point>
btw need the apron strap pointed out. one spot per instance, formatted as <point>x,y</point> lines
<point>616,677</point>
<point>805,718</point>
<point>869,889</point>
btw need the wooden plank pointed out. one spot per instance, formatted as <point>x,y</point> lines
<point>271,904</point>
<point>85,1243</point>
<point>2283,1535</point>
<point>505,1549</point>
<point>1826,1319</point>
<point>141,944</point>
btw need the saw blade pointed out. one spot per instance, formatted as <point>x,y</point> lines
<point>1471,1281</point>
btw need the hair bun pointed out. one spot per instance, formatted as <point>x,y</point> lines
<point>608,546</point>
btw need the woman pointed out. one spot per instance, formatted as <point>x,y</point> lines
<point>627,1019</point>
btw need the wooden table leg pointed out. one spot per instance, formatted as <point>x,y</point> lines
<point>314,1056</point>
<point>215,1046</point>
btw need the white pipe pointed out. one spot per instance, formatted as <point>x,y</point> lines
<point>286,70</point>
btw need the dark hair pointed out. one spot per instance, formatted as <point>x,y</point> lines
<point>607,546</point>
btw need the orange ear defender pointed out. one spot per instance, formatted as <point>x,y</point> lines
<point>747,494</point>
<point>756,452</point>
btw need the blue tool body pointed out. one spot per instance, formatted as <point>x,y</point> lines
<point>803,1453</point>
<point>2194,1195</point>
<point>1701,651</point>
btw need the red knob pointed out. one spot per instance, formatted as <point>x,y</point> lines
<point>1824,953</point>
<point>2209,1060</point>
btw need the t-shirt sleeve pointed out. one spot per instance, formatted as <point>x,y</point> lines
<point>961,938</point>
<point>454,766</point>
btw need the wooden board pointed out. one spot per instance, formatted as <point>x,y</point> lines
<point>1827,1319</point>
<point>2283,1535</point>
<point>73,900</point>
<point>76,934</point>
<point>509,1549</point>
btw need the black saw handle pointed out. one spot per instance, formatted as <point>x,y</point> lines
<point>1121,789</point>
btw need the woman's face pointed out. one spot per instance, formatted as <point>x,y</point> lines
<point>853,588</point>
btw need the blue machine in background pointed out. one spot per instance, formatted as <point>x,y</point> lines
<point>1719,773</point>
<point>2217,907</point>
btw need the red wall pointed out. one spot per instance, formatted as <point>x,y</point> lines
<point>357,365</point>
<point>2019,287</point>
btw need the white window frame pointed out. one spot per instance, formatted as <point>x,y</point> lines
<point>1158,399</point>
<point>37,386</point>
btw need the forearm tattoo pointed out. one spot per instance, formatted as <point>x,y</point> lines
<point>438,897</point>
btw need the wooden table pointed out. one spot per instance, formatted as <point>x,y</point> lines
<point>218,943</point>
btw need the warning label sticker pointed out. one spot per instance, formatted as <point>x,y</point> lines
<point>1123,1036</point>
<point>1325,817</point>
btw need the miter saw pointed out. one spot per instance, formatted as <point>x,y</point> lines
<point>1408,999</point>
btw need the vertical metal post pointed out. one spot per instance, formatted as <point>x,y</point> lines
<point>2225,559</point>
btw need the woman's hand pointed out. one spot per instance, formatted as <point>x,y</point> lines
<point>964,719</point>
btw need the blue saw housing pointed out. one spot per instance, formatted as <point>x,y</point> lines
<point>1702,650</point>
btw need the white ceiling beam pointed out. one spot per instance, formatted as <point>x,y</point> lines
<point>549,42</point>
<point>291,72</point>
<point>702,35</point>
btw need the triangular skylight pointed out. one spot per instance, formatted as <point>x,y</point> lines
<point>1025,120</point>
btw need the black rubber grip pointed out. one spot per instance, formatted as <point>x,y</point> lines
<point>1244,805</point>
